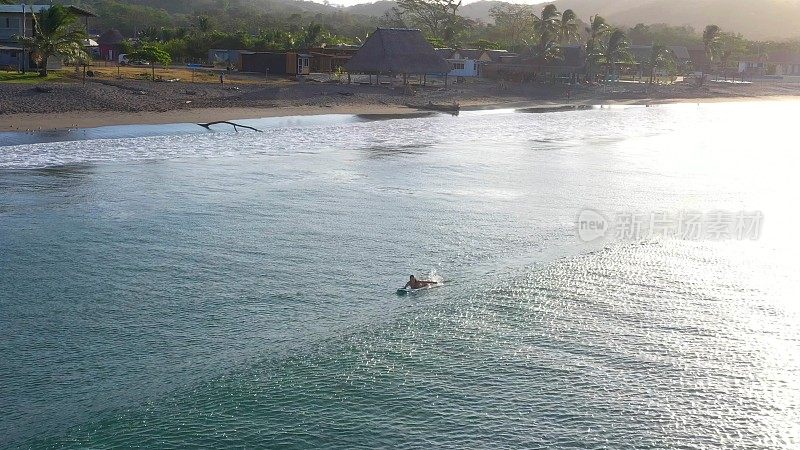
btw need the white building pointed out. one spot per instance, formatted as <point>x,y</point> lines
<point>17,20</point>
<point>468,62</point>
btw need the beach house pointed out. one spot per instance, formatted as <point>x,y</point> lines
<point>329,59</point>
<point>463,63</point>
<point>276,63</point>
<point>778,64</point>
<point>17,20</point>
<point>786,63</point>
<point>469,62</point>
<point>110,45</point>
<point>225,57</point>
<point>755,66</point>
<point>569,67</point>
<point>699,60</point>
<point>397,51</point>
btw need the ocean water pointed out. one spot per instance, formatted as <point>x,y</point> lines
<point>238,289</point>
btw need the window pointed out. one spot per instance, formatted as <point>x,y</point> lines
<point>458,66</point>
<point>10,22</point>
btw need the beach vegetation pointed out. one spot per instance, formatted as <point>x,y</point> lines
<point>661,59</point>
<point>513,25</point>
<point>31,77</point>
<point>568,28</point>
<point>546,31</point>
<point>483,44</point>
<point>617,51</point>
<point>711,36</point>
<point>595,43</point>
<point>438,19</point>
<point>152,54</point>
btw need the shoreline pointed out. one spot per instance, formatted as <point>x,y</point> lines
<point>33,122</point>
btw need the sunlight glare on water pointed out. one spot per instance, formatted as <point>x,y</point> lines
<point>238,289</point>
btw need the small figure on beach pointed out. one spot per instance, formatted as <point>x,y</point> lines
<point>414,283</point>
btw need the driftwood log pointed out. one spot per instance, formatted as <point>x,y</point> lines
<point>235,126</point>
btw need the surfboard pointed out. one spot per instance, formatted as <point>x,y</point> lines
<point>406,291</point>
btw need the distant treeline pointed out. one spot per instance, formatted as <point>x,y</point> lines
<point>252,17</point>
<point>188,28</point>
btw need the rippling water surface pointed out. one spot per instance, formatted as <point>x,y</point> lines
<point>225,289</point>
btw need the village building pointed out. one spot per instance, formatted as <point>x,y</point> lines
<point>682,57</point>
<point>468,62</point>
<point>753,66</point>
<point>463,63</point>
<point>330,59</point>
<point>92,47</point>
<point>778,64</point>
<point>276,63</point>
<point>110,45</point>
<point>699,60</point>
<point>569,67</point>
<point>225,57</point>
<point>397,51</point>
<point>785,63</point>
<point>17,20</point>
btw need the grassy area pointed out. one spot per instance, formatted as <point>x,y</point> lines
<point>111,72</point>
<point>30,77</point>
<point>201,75</point>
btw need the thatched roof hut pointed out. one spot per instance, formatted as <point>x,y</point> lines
<point>397,51</point>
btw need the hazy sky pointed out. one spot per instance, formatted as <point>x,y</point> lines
<point>353,2</point>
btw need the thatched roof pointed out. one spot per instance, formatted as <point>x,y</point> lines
<point>397,50</point>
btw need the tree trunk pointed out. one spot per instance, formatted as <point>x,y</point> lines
<point>153,66</point>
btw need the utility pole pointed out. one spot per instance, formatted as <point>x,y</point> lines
<point>24,34</point>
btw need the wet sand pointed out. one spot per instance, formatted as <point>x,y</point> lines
<point>90,119</point>
<point>127,102</point>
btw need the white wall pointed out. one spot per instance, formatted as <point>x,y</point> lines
<point>470,68</point>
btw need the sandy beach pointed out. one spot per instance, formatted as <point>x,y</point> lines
<point>103,101</point>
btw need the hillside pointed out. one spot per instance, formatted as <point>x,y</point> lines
<point>476,10</point>
<point>766,19</point>
<point>755,19</point>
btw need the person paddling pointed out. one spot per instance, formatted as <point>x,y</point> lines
<point>414,283</point>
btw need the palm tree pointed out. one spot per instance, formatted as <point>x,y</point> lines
<point>568,27</point>
<point>547,29</point>
<point>54,33</point>
<point>661,57</point>
<point>617,50</point>
<point>595,50</point>
<point>710,43</point>
<point>548,25</point>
